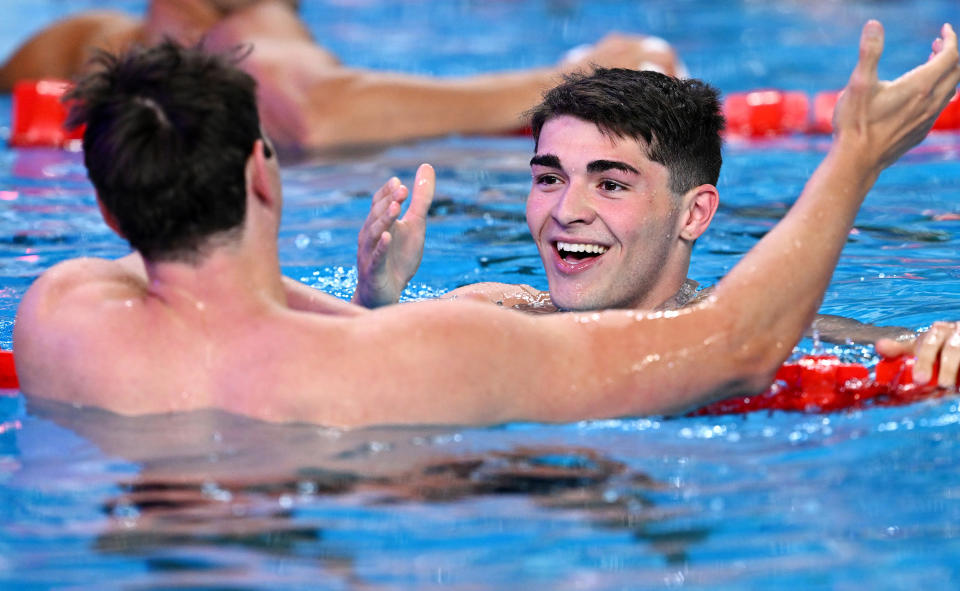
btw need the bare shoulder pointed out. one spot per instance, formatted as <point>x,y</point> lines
<point>70,292</point>
<point>77,276</point>
<point>508,295</point>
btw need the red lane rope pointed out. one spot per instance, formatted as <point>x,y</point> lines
<point>39,115</point>
<point>776,112</point>
<point>8,372</point>
<point>823,383</point>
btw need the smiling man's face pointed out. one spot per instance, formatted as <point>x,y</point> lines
<point>604,219</point>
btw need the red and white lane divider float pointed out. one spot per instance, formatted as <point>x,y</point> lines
<point>823,383</point>
<point>39,115</point>
<point>765,113</point>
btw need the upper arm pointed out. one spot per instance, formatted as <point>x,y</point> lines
<point>307,299</point>
<point>465,362</point>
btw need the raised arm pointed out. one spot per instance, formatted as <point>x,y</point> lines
<point>491,366</point>
<point>876,122</point>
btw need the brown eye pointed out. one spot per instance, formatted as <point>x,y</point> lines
<point>611,186</point>
<point>548,179</point>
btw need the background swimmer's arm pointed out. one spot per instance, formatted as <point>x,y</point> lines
<point>841,330</point>
<point>389,249</point>
<point>327,107</point>
<point>62,49</point>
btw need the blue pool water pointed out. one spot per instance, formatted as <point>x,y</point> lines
<point>860,500</point>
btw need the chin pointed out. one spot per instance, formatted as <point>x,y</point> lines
<point>576,304</point>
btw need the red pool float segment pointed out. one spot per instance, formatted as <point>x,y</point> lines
<point>823,104</point>
<point>766,112</point>
<point>8,371</point>
<point>950,117</point>
<point>775,112</point>
<point>39,115</point>
<point>823,383</point>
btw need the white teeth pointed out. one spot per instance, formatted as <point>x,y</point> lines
<point>590,248</point>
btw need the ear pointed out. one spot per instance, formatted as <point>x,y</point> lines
<point>109,218</point>
<point>261,173</point>
<point>701,204</point>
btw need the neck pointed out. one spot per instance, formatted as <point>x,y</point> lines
<point>683,296</point>
<point>229,280</point>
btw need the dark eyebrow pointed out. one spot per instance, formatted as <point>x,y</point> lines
<point>604,165</point>
<point>548,160</point>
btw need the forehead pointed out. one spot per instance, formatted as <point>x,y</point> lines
<point>577,142</point>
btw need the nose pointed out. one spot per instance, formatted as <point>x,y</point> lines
<point>574,206</point>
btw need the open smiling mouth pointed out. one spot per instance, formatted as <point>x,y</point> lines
<point>574,252</point>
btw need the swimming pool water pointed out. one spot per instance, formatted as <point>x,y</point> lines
<point>861,500</point>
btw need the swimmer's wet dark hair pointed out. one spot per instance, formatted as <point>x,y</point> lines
<point>679,120</point>
<point>169,131</point>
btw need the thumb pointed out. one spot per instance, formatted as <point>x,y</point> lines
<point>424,186</point>
<point>871,47</point>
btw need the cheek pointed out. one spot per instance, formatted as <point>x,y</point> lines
<point>537,210</point>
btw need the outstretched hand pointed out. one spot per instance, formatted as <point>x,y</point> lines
<point>940,344</point>
<point>884,119</point>
<point>389,249</point>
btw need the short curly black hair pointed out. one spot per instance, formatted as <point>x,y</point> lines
<point>680,120</point>
<point>169,130</point>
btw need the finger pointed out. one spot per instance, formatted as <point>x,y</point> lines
<point>890,348</point>
<point>943,65</point>
<point>379,208</point>
<point>950,359</point>
<point>384,191</point>
<point>379,255</point>
<point>384,222</point>
<point>947,40</point>
<point>424,186</point>
<point>927,351</point>
<point>377,223</point>
<point>936,47</point>
<point>871,48</point>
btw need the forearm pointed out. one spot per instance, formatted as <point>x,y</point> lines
<point>841,330</point>
<point>307,299</point>
<point>796,258</point>
<point>351,106</point>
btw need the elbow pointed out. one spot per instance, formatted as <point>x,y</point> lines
<point>755,361</point>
